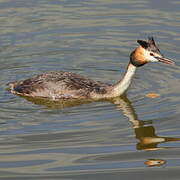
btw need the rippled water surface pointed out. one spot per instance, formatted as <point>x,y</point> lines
<point>129,138</point>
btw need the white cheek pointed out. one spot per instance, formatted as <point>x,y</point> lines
<point>150,58</point>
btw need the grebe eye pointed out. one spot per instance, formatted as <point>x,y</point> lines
<point>151,54</point>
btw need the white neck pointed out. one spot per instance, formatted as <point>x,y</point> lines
<point>121,86</point>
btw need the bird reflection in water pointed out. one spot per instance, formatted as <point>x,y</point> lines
<point>154,162</point>
<point>144,131</point>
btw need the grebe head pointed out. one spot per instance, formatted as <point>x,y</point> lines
<point>147,52</point>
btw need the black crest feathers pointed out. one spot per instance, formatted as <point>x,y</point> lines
<point>144,44</point>
<point>149,45</point>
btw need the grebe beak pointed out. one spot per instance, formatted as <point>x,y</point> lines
<point>165,60</point>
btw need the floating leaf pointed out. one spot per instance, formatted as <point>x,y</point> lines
<point>152,95</point>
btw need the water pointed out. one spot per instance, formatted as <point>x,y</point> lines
<point>131,137</point>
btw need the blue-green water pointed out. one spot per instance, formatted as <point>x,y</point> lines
<point>131,137</point>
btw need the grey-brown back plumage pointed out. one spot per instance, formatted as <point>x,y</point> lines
<point>58,85</point>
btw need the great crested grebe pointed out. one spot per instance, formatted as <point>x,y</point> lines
<point>68,85</point>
